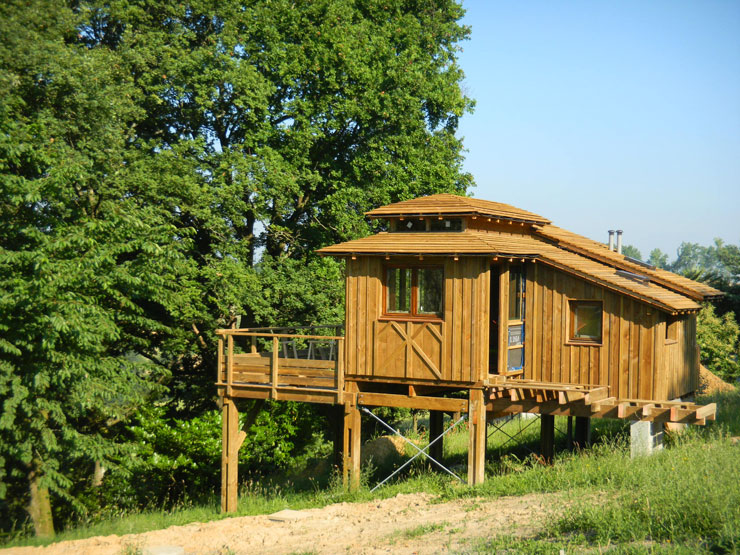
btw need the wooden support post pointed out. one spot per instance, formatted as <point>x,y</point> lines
<point>231,440</point>
<point>583,432</point>
<point>547,437</point>
<point>336,425</point>
<point>477,441</point>
<point>436,427</point>
<point>352,444</point>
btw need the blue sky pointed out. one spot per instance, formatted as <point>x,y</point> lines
<point>606,115</point>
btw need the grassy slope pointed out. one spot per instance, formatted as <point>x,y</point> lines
<point>686,498</point>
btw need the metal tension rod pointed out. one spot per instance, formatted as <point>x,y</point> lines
<point>419,451</point>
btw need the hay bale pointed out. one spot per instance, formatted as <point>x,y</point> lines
<point>709,383</point>
<point>383,449</point>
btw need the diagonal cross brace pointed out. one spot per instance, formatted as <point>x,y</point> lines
<point>419,451</point>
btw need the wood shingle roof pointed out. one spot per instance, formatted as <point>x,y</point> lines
<point>447,204</point>
<point>541,241</point>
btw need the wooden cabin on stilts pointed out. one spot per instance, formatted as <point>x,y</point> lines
<point>467,295</point>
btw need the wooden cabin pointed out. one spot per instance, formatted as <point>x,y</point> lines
<point>462,294</point>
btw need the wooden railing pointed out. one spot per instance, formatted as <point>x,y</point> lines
<point>253,373</point>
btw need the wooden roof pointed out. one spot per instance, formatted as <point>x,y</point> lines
<point>519,245</point>
<point>448,205</point>
<point>598,251</point>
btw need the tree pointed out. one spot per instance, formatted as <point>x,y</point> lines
<point>632,252</point>
<point>718,342</point>
<point>90,276</point>
<point>168,166</point>
<point>279,123</point>
<point>658,258</point>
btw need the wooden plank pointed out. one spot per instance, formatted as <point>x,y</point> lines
<point>241,360</point>
<point>229,363</point>
<point>708,411</point>
<point>503,317</point>
<point>547,326</point>
<point>274,366</point>
<point>340,372</point>
<point>418,402</point>
<point>557,337</point>
<point>467,321</point>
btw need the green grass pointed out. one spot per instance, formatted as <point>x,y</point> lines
<point>684,499</point>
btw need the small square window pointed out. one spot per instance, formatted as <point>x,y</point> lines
<point>586,321</point>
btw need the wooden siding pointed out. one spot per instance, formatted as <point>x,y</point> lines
<point>452,350</point>
<point>633,358</point>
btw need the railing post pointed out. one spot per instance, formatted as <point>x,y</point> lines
<point>229,364</point>
<point>340,371</point>
<point>274,367</point>
<point>253,348</point>
<point>220,363</point>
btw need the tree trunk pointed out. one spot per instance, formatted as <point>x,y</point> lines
<point>39,508</point>
<point>98,474</point>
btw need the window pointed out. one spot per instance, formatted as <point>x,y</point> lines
<point>516,293</point>
<point>446,224</point>
<point>671,329</point>
<point>411,225</point>
<point>414,291</point>
<point>515,341</point>
<point>585,321</point>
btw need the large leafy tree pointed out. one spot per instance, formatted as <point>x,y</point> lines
<point>168,166</point>
<point>282,122</point>
<point>91,277</point>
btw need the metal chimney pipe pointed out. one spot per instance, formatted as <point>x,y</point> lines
<point>611,239</point>
<point>619,241</point>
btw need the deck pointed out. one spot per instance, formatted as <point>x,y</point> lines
<point>298,367</point>
<point>262,364</point>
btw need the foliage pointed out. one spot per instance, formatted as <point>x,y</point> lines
<point>88,272</point>
<point>718,338</point>
<point>166,167</point>
<point>632,252</point>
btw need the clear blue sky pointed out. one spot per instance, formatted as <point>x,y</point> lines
<point>603,115</point>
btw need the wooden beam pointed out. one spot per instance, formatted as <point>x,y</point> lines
<point>418,402</point>
<point>708,412</point>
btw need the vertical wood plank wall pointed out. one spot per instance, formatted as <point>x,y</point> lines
<point>634,358</point>
<point>456,347</point>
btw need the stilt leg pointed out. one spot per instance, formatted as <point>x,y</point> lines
<point>352,443</point>
<point>231,441</point>
<point>477,441</point>
<point>436,425</point>
<point>336,424</point>
<point>547,436</point>
<point>583,431</point>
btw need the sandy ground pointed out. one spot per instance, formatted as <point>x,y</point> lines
<point>386,526</point>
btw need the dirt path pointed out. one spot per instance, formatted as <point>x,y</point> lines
<point>404,524</point>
